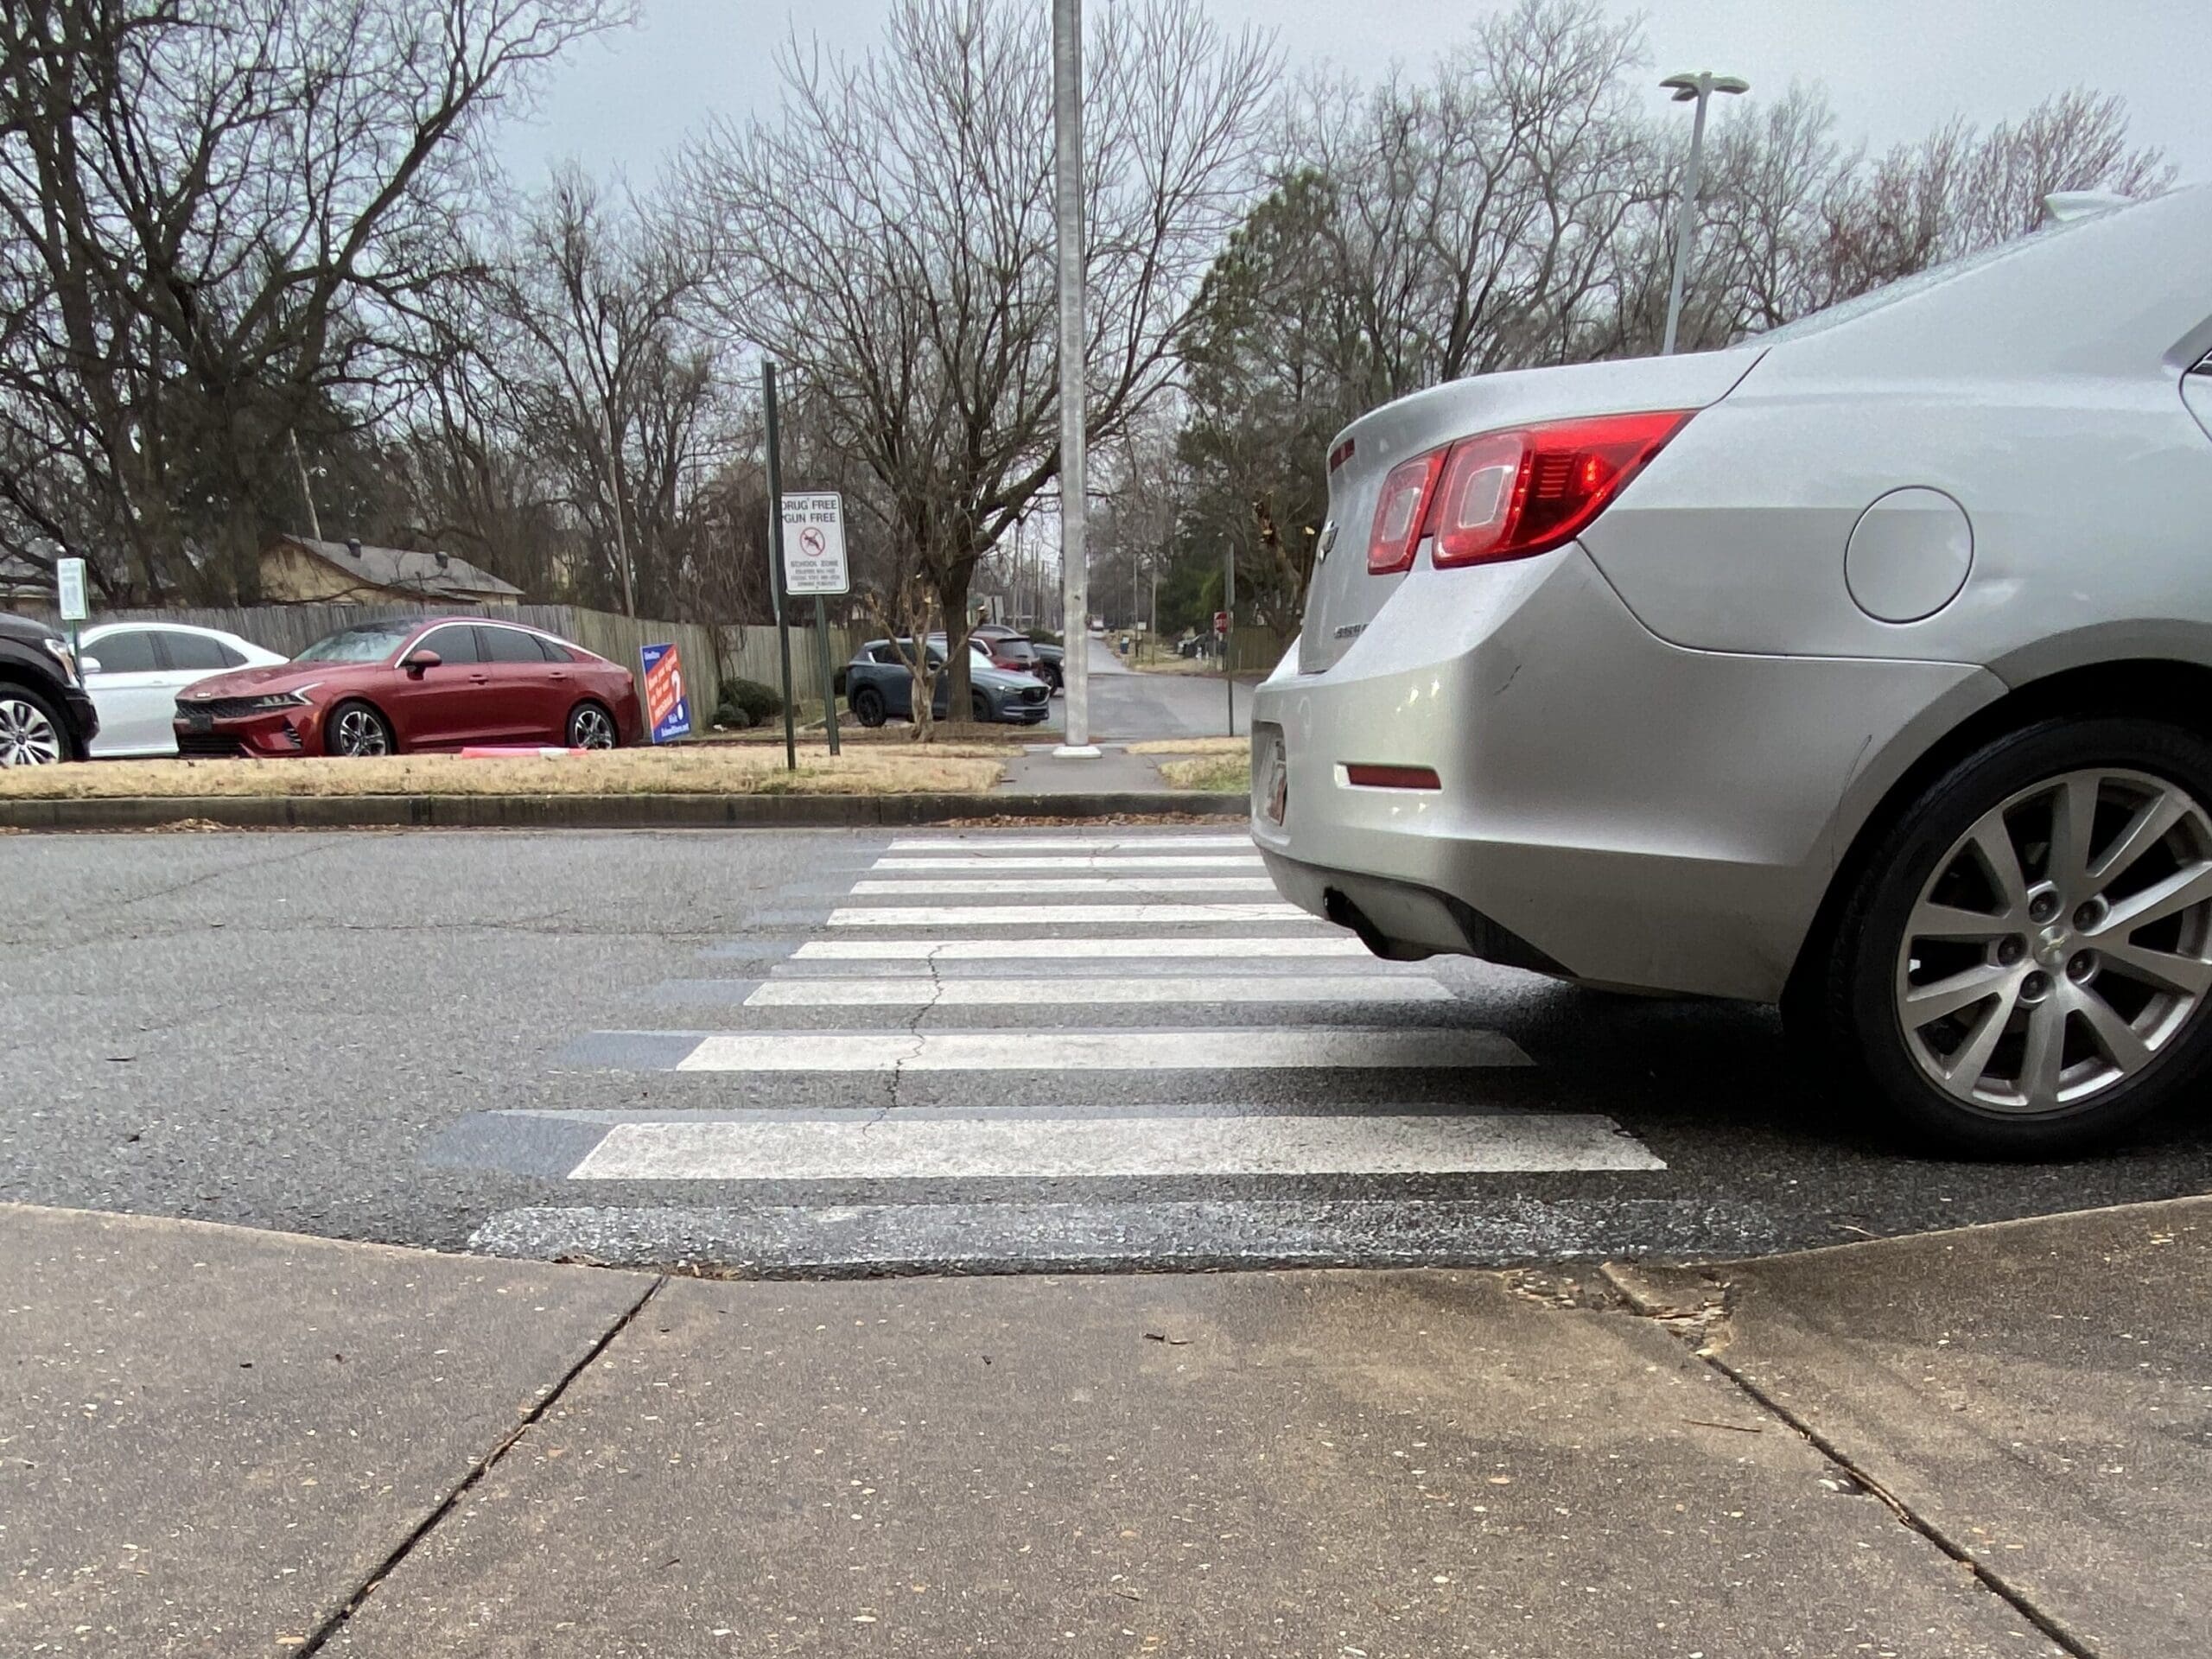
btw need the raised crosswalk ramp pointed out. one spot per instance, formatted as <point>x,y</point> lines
<point>1056,1038</point>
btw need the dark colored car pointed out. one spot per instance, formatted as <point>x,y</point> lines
<point>1052,666</point>
<point>45,714</point>
<point>387,688</point>
<point>880,687</point>
<point>1016,653</point>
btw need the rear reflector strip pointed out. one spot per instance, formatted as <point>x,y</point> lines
<point>1365,776</point>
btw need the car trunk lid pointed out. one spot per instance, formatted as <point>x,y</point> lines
<point>1343,596</point>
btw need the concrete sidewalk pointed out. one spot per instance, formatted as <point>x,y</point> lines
<point>1985,1443</point>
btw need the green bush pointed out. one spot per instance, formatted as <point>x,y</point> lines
<point>749,702</point>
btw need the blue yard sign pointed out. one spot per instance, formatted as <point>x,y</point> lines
<point>668,705</point>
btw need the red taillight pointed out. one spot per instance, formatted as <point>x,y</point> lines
<point>1398,514</point>
<point>1372,777</point>
<point>1505,495</point>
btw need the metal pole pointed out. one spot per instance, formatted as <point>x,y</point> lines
<point>1699,86</point>
<point>776,556</point>
<point>1067,194</point>
<point>1228,633</point>
<point>829,675</point>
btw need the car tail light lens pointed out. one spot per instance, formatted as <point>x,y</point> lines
<point>1398,514</point>
<point>1505,495</point>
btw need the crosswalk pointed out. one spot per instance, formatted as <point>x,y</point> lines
<point>1047,1049</point>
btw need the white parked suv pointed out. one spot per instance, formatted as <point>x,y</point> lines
<point>1866,667</point>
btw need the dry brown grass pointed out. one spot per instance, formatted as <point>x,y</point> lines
<point>949,736</point>
<point>1220,774</point>
<point>1193,746</point>
<point>718,769</point>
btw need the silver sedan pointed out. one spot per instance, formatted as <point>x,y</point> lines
<point>1866,667</point>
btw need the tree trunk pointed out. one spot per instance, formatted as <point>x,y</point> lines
<point>952,600</point>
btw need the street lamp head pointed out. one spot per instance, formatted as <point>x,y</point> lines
<point>1688,87</point>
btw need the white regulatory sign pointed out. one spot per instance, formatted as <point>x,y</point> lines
<point>814,544</point>
<point>69,588</point>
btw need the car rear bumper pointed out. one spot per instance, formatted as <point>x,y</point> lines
<point>1611,808</point>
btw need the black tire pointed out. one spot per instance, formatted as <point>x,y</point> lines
<point>33,732</point>
<point>979,709</point>
<point>1850,993</point>
<point>354,730</point>
<point>592,726</point>
<point>868,705</point>
<point>1053,677</point>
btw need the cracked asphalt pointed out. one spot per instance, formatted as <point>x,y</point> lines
<point>305,1031</point>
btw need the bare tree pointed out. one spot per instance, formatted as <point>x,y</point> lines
<point>216,218</point>
<point>890,239</point>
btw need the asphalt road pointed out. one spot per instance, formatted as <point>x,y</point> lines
<point>1128,707</point>
<point>662,1048</point>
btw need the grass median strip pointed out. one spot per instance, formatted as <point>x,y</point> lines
<point>721,769</point>
<point>1220,774</point>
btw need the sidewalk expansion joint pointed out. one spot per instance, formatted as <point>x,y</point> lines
<point>337,1621</point>
<point>1705,1328</point>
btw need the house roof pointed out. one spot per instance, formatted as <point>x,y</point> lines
<point>444,575</point>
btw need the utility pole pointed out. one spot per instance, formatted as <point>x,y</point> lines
<point>614,495</point>
<point>306,490</point>
<point>1067,203</point>
<point>1700,86</point>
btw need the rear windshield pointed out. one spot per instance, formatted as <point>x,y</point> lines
<point>1919,282</point>
<point>370,643</point>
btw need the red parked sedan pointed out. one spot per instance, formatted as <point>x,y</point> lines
<point>386,687</point>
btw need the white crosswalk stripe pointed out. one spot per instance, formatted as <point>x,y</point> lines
<point>917,991</point>
<point>1211,947</point>
<point>1057,915</point>
<point>938,884</point>
<point>995,844</point>
<point>1148,863</point>
<point>1229,1048</point>
<point>939,1147</point>
<point>961,1029</point>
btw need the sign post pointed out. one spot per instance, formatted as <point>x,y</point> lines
<point>69,589</point>
<point>668,703</point>
<point>776,555</point>
<point>1225,625</point>
<point>814,563</point>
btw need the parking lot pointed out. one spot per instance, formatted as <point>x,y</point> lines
<point>864,1051</point>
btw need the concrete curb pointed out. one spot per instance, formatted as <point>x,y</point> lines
<point>597,811</point>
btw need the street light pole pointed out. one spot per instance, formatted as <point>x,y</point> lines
<point>1700,86</point>
<point>1067,193</point>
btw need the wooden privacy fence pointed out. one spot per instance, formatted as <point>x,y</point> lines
<point>749,653</point>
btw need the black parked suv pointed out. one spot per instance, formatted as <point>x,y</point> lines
<point>45,714</point>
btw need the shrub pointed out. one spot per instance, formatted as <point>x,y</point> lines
<point>749,702</point>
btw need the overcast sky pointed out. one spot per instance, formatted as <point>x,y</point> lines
<point>1892,68</point>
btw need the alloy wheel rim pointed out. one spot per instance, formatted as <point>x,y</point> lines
<point>2061,943</point>
<point>358,733</point>
<point>27,737</point>
<point>592,730</point>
